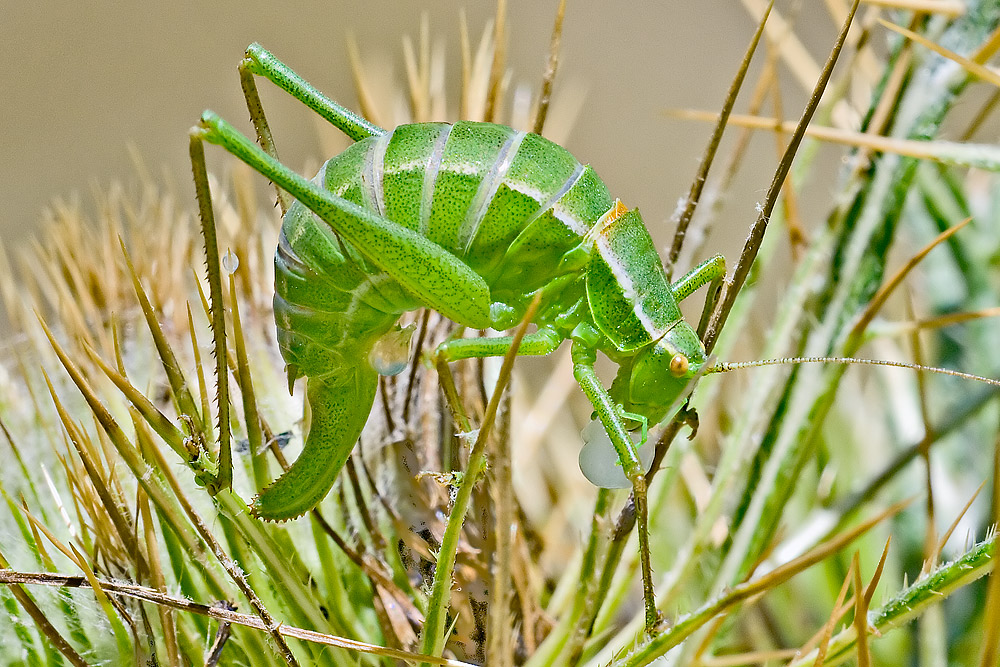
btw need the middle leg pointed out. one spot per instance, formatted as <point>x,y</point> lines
<point>538,343</point>
<point>711,272</point>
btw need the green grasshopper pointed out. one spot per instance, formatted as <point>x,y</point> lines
<point>473,220</point>
<point>478,222</point>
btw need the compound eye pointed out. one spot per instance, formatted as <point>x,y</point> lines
<point>679,365</point>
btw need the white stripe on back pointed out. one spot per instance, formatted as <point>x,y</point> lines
<point>430,180</point>
<point>487,190</point>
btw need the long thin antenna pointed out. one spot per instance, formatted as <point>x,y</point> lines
<point>724,367</point>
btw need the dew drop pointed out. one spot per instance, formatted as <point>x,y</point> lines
<point>230,262</point>
<point>391,353</point>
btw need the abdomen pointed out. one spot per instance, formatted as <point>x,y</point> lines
<point>507,203</point>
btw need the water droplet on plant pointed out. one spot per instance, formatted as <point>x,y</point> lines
<point>230,262</point>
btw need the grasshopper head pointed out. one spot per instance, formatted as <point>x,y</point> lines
<point>657,376</point>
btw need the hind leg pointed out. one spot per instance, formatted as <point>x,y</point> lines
<point>260,62</point>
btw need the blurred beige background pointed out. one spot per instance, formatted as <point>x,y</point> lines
<point>81,80</point>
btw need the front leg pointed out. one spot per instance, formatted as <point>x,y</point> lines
<point>711,272</point>
<point>611,417</point>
